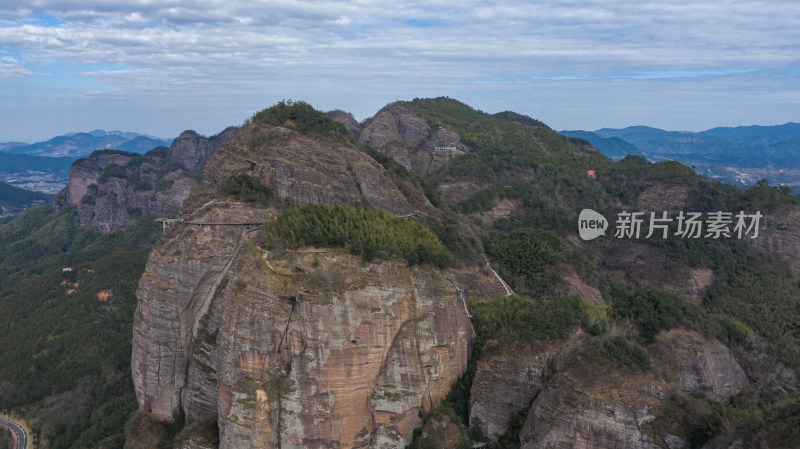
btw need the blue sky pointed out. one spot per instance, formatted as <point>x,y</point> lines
<point>163,66</point>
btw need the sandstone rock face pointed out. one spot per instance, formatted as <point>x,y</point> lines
<point>576,286</point>
<point>303,169</point>
<point>704,365</point>
<point>405,136</point>
<point>507,379</point>
<point>172,291</point>
<point>193,150</point>
<point>457,191</point>
<point>346,119</point>
<point>576,412</point>
<point>138,185</point>
<point>157,182</point>
<point>85,172</point>
<point>309,349</point>
<point>607,405</point>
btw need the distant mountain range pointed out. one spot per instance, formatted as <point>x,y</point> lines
<point>741,155</point>
<point>83,143</point>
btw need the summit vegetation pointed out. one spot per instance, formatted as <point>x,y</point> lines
<point>302,117</point>
<point>360,230</point>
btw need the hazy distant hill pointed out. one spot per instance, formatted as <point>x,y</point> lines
<point>758,135</point>
<point>83,143</point>
<point>14,200</point>
<point>7,146</point>
<point>779,141</point>
<point>21,163</point>
<point>14,197</point>
<point>740,155</point>
<point>613,147</point>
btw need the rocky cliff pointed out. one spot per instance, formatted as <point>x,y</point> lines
<point>111,188</point>
<point>304,169</point>
<point>346,119</point>
<point>780,234</point>
<point>192,150</point>
<point>703,365</point>
<point>303,349</point>
<point>405,136</point>
<point>587,403</point>
<point>307,349</point>
<point>506,381</point>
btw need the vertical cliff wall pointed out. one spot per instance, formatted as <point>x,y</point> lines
<point>299,349</point>
<point>303,349</point>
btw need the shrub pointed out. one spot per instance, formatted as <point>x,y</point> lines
<point>302,117</point>
<point>653,311</point>
<point>112,171</point>
<point>523,256</point>
<point>515,318</point>
<point>245,188</point>
<point>360,230</point>
<point>599,351</point>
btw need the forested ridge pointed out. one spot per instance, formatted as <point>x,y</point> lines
<point>752,305</point>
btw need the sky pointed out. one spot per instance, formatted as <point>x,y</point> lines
<point>163,66</point>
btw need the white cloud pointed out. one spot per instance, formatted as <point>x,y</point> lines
<point>171,48</point>
<point>11,68</point>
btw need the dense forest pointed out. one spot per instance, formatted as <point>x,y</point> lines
<point>67,295</point>
<point>752,305</point>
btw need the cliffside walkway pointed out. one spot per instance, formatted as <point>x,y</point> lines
<point>168,223</point>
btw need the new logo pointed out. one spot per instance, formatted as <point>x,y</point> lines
<point>591,224</point>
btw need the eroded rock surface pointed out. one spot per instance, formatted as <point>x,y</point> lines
<point>193,150</point>
<point>346,119</point>
<point>704,365</point>
<point>507,379</point>
<point>304,169</point>
<point>644,266</point>
<point>408,138</point>
<point>309,349</point>
<point>779,233</point>
<point>600,413</point>
<point>111,189</point>
<point>174,290</point>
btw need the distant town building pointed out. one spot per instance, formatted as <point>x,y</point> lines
<point>592,174</point>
